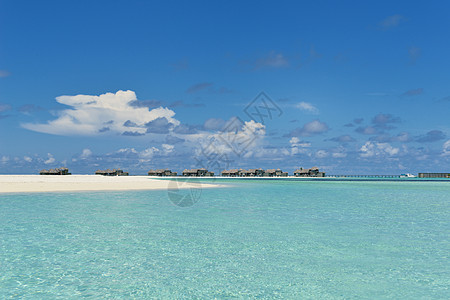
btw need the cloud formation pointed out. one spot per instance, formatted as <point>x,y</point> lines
<point>370,149</point>
<point>307,107</point>
<point>110,112</point>
<point>446,148</point>
<point>311,128</point>
<point>431,136</point>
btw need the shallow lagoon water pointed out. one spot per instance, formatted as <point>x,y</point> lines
<point>258,239</point>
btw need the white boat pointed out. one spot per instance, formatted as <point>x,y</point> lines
<point>407,175</point>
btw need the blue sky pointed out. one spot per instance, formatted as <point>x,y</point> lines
<point>348,87</point>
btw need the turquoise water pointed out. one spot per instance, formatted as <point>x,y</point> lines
<point>259,239</point>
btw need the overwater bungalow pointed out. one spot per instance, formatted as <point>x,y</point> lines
<point>161,172</point>
<point>198,173</point>
<point>275,173</point>
<point>313,172</point>
<point>243,173</point>
<point>109,172</point>
<point>57,171</point>
<point>254,173</point>
<point>231,173</point>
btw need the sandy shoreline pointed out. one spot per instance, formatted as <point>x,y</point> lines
<point>70,183</point>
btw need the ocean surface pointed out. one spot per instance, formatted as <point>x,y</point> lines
<point>257,239</point>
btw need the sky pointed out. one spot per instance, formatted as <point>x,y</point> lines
<point>350,87</point>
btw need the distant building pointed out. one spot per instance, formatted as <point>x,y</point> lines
<point>114,172</point>
<point>231,173</point>
<point>161,172</point>
<point>198,173</point>
<point>57,171</point>
<point>275,173</point>
<point>434,175</point>
<point>313,172</point>
<point>243,173</point>
<point>252,173</point>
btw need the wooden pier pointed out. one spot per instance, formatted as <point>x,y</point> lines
<point>364,176</point>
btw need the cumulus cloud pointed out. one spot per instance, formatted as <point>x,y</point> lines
<point>382,120</point>
<point>159,125</point>
<point>4,159</point>
<point>85,153</point>
<point>312,128</point>
<point>446,148</point>
<point>167,148</point>
<point>431,136</point>
<point>321,154</point>
<point>92,115</point>
<point>308,107</point>
<point>298,146</point>
<point>391,22</point>
<point>238,138</point>
<point>339,153</point>
<point>370,149</point>
<point>380,123</point>
<point>368,130</point>
<point>27,159</point>
<point>50,159</point>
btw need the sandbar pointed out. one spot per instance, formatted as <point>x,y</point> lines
<point>71,183</point>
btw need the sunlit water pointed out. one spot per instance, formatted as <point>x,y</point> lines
<point>258,239</point>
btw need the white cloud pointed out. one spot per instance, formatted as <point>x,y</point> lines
<point>27,159</point>
<point>147,154</point>
<point>298,146</point>
<point>446,148</point>
<point>4,159</point>
<point>321,154</point>
<point>127,150</point>
<point>370,149</point>
<point>339,154</point>
<point>168,148</point>
<point>308,107</point>
<point>86,153</point>
<point>50,159</point>
<point>238,138</point>
<point>110,112</point>
<point>311,128</point>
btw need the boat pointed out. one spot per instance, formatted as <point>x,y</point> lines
<point>407,175</point>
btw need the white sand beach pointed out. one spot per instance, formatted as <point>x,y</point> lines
<point>66,183</point>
